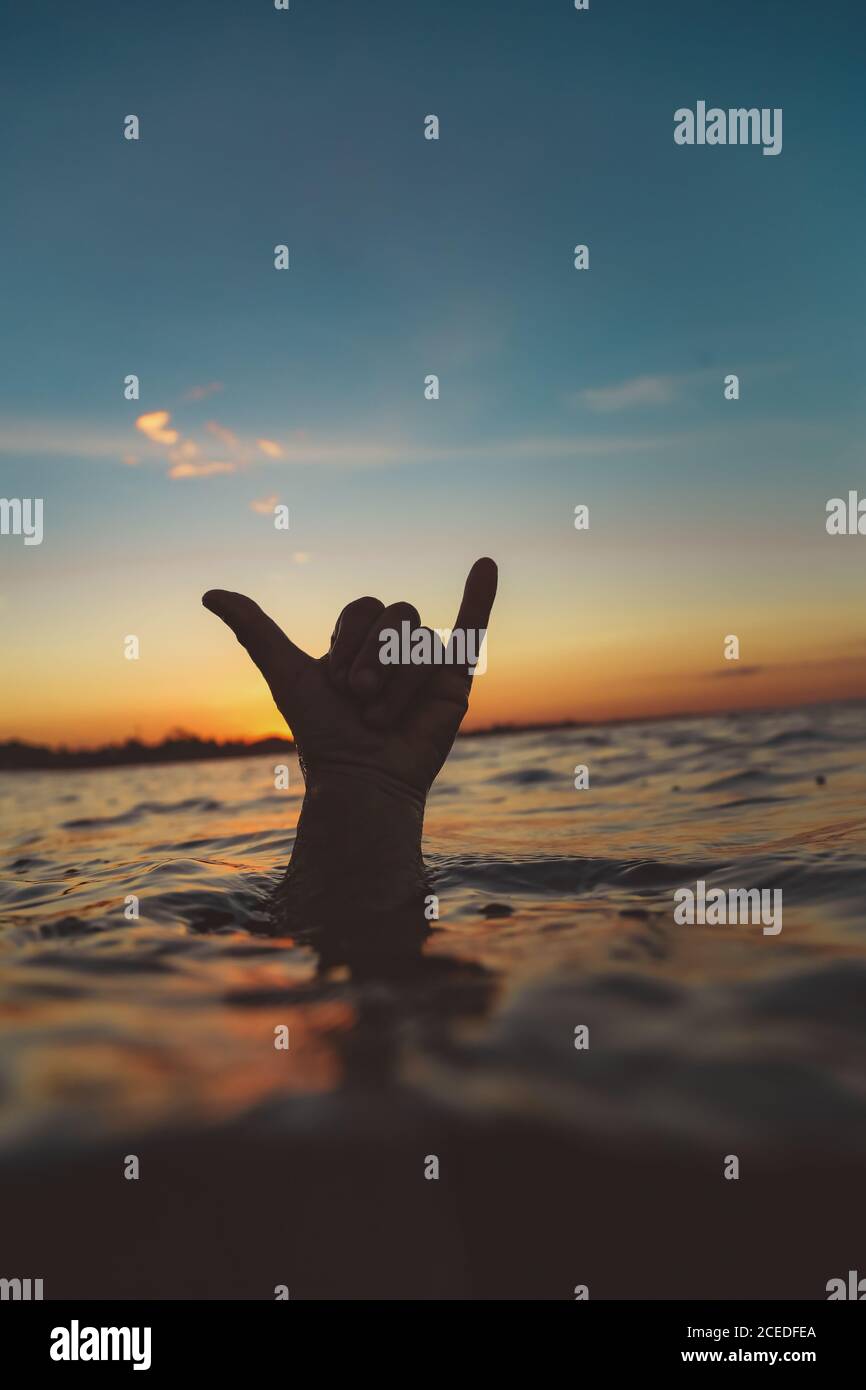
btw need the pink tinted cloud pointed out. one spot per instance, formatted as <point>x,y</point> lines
<point>155,426</point>
<point>271,448</point>
<point>200,393</point>
<point>220,432</point>
<point>200,470</point>
<point>264,505</point>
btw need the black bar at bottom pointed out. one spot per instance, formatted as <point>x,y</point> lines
<point>159,1339</point>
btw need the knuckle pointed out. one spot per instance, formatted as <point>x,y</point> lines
<point>408,610</point>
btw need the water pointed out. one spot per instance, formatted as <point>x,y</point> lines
<point>156,1036</point>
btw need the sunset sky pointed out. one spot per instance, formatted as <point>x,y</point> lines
<point>409,257</point>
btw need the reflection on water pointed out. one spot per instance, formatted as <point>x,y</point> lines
<point>556,910</point>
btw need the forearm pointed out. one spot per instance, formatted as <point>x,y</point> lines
<point>357,851</point>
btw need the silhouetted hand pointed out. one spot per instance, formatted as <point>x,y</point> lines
<point>348,712</point>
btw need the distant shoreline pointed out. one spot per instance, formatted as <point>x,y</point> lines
<point>18,756</point>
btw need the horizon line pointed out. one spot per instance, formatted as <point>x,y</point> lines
<point>239,747</point>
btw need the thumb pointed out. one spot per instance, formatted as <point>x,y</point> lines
<point>278,659</point>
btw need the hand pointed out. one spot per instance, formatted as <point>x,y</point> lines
<point>346,711</point>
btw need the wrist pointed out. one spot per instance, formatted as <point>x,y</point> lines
<point>357,848</point>
<point>360,788</point>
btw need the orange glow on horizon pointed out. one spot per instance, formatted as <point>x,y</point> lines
<point>580,690</point>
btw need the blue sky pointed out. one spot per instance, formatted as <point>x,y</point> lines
<point>411,256</point>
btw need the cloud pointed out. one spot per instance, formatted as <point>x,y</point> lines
<point>200,393</point>
<point>40,438</point>
<point>155,426</point>
<point>264,505</point>
<point>360,453</point>
<point>82,440</point>
<point>200,470</point>
<point>267,446</point>
<point>225,436</point>
<point>735,671</point>
<point>185,451</point>
<point>662,388</point>
<point>184,455</point>
<point>74,439</point>
<point>639,390</point>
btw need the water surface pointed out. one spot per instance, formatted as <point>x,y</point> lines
<point>555,911</point>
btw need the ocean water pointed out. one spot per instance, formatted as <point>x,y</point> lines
<point>556,910</point>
